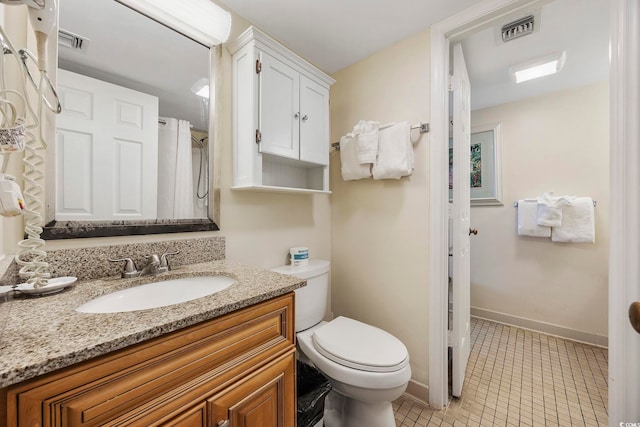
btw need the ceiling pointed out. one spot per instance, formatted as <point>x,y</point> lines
<point>334,34</point>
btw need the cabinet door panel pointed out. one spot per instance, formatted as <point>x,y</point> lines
<point>264,399</point>
<point>193,417</point>
<point>314,122</point>
<point>279,108</point>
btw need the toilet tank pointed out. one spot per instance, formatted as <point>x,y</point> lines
<point>311,300</point>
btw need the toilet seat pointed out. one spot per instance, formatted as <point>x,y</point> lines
<point>360,346</point>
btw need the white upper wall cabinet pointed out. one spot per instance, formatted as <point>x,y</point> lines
<point>280,118</point>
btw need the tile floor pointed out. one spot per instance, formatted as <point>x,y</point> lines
<point>517,377</point>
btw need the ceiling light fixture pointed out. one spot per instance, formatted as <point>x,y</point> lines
<point>201,88</point>
<point>201,20</point>
<point>545,66</point>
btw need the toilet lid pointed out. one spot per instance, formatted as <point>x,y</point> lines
<point>360,346</point>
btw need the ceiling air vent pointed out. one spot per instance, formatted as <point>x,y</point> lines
<point>73,41</point>
<point>518,28</point>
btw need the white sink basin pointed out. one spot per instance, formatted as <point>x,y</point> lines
<point>157,294</point>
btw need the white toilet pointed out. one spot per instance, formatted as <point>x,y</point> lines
<point>367,367</point>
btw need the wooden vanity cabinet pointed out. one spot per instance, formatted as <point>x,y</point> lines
<point>239,367</point>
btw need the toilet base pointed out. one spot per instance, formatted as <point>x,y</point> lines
<point>342,411</point>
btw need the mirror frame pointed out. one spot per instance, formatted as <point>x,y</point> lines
<point>54,230</point>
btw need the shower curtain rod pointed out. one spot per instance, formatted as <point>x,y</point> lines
<point>164,122</point>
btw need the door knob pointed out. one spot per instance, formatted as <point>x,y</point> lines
<point>473,231</point>
<point>634,315</point>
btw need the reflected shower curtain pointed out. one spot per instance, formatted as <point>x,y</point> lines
<point>175,171</point>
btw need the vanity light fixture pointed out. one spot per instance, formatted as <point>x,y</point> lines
<point>201,88</point>
<point>200,20</point>
<point>545,66</point>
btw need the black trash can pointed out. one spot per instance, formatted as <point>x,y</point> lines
<point>313,387</point>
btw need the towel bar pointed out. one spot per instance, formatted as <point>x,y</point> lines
<point>515,204</point>
<point>424,128</point>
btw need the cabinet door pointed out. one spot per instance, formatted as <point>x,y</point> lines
<point>192,417</point>
<point>264,399</point>
<point>279,108</point>
<point>314,122</point>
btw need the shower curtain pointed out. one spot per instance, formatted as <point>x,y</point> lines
<point>175,171</point>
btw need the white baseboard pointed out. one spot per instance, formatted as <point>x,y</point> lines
<point>417,391</point>
<point>538,326</point>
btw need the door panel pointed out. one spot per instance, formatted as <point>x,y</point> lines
<point>264,399</point>
<point>314,112</point>
<point>461,332</point>
<point>279,108</point>
<point>106,147</point>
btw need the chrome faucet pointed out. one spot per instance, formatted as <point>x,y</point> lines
<point>155,265</point>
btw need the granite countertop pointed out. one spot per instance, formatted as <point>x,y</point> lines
<point>39,335</point>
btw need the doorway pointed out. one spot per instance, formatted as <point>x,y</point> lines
<point>442,35</point>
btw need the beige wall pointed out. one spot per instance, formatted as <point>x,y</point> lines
<point>259,227</point>
<point>13,19</point>
<point>557,142</point>
<point>380,228</point>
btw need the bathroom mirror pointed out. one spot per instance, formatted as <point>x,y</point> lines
<point>132,145</point>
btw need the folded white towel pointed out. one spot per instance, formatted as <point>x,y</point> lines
<point>367,147</point>
<point>366,134</point>
<point>578,222</point>
<point>351,168</point>
<point>366,126</point>
<point>395,152</point>
<point>550,209</point>
<point>527,225</point>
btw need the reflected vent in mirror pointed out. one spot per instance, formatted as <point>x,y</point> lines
<point>73,41</point>
<point>519,28</point>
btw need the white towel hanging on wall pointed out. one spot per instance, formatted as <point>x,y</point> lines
<point>527,220</point>
<point>395,152</point>
<point>350,167</point>
<point>578,222</point>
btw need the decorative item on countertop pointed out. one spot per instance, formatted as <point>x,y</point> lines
<point>11,200</point>
<point>299,256</point>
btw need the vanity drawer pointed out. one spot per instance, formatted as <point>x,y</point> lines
<point>104,389</point>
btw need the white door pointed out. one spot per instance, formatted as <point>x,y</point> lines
<point>314,122</point>
<point>460,333</point>
<point>624,243</point>
<point>279,110</point>
<point>106,151</point>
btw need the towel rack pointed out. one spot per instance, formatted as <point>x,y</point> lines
<point>423,127</point>
<point>515,204</point>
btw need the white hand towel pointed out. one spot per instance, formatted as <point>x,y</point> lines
<point>527,226</point>
<point>366,134</point>
<point>367,147</point>
<point>578,223</point>
<point>550,209</point>
<point>351,168</point>
<point>395,152</point>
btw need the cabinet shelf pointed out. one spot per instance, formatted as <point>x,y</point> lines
<point>277,189</point>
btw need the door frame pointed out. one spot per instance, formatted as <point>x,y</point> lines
<point>624,55</point>
<point>624,277</point>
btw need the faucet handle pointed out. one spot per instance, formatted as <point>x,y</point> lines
<point>164,262</point>
<point>153,259</point>
<point>129,269</point>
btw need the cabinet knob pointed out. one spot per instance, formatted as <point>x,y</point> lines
<point>223,423</point>
<point>296,116</point>
<point>305,118</point>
